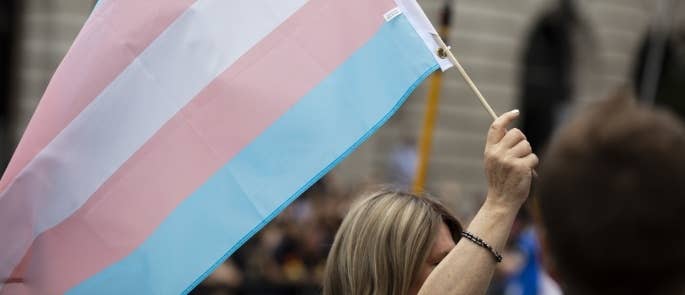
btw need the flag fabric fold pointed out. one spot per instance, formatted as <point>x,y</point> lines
<point>174,130</point>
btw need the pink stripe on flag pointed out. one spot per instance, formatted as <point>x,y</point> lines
<point>116,33</point>
<point>233,110</point>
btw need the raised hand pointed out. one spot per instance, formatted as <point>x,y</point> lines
<point>509,163</point>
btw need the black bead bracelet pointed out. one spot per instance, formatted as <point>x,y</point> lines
<point>478,241</point>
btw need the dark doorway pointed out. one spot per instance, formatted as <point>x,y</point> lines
<point>547,72</point>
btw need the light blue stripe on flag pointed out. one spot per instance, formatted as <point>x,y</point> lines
<point>304,144</point>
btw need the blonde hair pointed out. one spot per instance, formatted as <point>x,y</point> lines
<point>382,242</point>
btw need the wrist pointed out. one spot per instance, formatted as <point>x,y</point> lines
<point>493,221</point>
<point>498,204</point>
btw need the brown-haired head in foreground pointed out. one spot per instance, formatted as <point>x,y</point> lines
<point>382,242</point>
<point>612,201</point>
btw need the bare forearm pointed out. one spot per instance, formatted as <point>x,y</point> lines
<point>509,162</point>
<point>468,268</point>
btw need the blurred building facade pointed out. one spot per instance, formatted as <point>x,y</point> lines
<point>489,37</point>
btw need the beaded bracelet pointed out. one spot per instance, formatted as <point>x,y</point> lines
<point>478,241</point>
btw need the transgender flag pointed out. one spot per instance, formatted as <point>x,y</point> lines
<point>174,130</point>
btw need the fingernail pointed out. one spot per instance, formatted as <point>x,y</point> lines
<point>515,111</point>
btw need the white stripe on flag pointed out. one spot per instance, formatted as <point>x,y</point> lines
<point>191,53</point>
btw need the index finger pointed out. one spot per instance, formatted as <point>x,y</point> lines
<point>499,127</point>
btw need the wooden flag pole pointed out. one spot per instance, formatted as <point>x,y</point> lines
<point>444,51</point>
<point>425,143</point>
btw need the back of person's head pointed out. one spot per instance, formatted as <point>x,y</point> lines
<point>612,201</point>
<point>382,243</point>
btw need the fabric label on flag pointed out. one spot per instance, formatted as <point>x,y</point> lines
<point>392,14</point>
